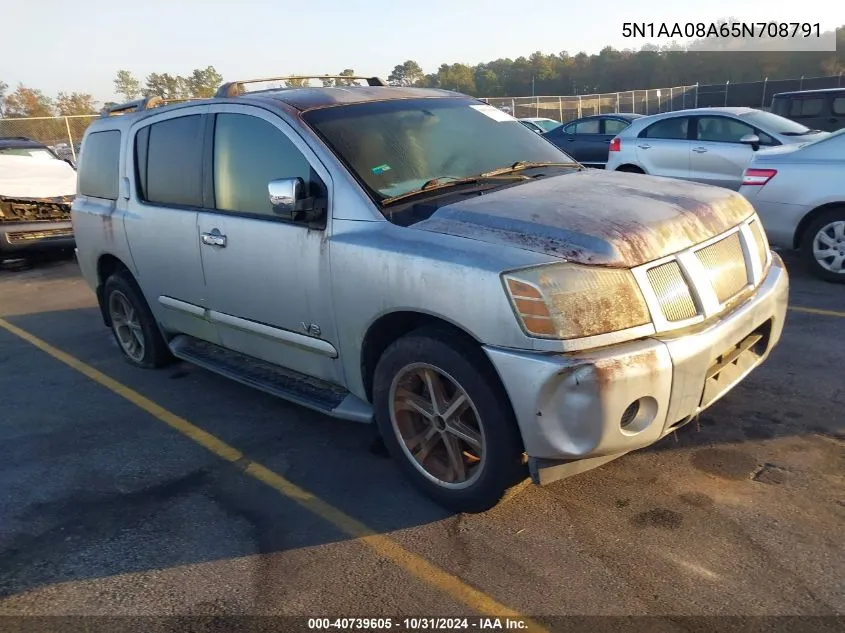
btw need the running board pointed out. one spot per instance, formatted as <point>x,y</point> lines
<point>298,388</point>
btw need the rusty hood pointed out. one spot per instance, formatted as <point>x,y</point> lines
<point>595,217</point>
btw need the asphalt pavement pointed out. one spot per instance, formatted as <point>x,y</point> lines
<point>178,492</point>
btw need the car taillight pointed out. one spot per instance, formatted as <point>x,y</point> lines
<point>758,176</point>
<point>615,145</point>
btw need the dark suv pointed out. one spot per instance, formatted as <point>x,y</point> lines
<point>36,190</point>
<point>817,109</point>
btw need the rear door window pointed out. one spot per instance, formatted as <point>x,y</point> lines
<point>807,106</point>
<point>98,167</point>
<point>839,106</point>
<point>672,128</point>
<point>168,157</point>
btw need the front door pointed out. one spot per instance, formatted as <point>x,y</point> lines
<point>268,278</point>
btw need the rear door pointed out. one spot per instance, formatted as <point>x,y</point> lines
<point>161,218</point>
<point>717,157</point>
<point>583,141</point>
<point>663,148</point>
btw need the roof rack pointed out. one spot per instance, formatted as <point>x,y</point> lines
<point>236,88</point>
<point>146,103</point>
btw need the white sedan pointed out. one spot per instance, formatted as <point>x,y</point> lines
<point>799,193</point>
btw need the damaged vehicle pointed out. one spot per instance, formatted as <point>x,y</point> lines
<point>36,190</point>
<point>418,259</point>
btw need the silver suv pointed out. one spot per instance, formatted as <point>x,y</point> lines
<point>420,259</point>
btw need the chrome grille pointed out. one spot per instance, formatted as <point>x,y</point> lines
<point>724,263</point>
<point>760,242</point>
<point>673,293</point>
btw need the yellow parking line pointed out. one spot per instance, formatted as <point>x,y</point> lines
<point>382,545</point>
<point>833,313</point>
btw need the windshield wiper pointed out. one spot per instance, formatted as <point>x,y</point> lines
<point>525,164</point>
<point>443,182</point>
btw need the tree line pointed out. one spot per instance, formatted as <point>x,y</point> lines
<point>610,70</point>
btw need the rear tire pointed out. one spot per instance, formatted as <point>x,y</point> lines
<point>467,460</point>
<point>823,246</point>
<point>132,323</point>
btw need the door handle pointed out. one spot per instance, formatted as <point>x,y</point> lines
<point>570,139</point>
<point>215,238</point>
<point>699,150</point>
<point>645,146</point>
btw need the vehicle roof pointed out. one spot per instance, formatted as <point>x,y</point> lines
<point>695,111</point>
<point>19,141</point>
<point>536,118</point>
<point>612,115</point>
<point>309,98</point>
<point>807,92</point>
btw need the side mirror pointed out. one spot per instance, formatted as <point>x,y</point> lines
<point>751,139</point>
<point>284,194</point>
<point>288,200</point>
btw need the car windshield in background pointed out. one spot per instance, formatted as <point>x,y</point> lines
<point>397,146</point>
<point>547,125</point>
<point>33,152</point>
<point>775,123</point>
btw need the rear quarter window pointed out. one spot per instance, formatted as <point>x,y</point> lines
<point>98,166</point>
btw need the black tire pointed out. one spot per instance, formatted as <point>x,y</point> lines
<point>630,169</point>
<point>155,351</point>
<point>833,215</point>
<point>463,361</point>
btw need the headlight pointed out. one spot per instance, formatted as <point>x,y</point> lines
<point>567,301</point>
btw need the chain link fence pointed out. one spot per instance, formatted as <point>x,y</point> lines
<point>63,134</point>
<point>568,108</point>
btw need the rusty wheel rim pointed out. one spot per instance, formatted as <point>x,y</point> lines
<point>437,425</point>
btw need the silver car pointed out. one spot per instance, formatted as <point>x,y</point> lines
<point>799,194</point>
<point>419,259</point>
<point>708,145</point>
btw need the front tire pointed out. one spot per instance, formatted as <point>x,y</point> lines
<point>823,246</point>
<point>446,420</point>
<point>630,169</point>
<point>132,323</point>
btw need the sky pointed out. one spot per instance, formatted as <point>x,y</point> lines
<point>78,45</point>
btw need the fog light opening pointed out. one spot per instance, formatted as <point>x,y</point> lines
<point>630,414</point>
<point>638,415</point>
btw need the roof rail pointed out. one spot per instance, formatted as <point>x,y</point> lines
<point>236,88</point>
<point>146,103</point>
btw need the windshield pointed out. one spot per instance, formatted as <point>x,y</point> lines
<point>394,147</point>
<point>770,122</point>
<point>547,124</point>
<point>32,152</point>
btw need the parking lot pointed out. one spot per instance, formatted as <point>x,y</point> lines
<point>177,491</point>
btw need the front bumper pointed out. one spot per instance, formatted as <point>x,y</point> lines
<point>19,238</point>
<point>570,407</point>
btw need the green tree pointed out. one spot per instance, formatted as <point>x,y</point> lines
<point>126,85</point>
<point>166,86</point>
<point>296,82</point>
<point>27,102</point>
<point>72,103</point>
<point>346,72</point>
<point>408,73</point>
<point>204,82</point>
